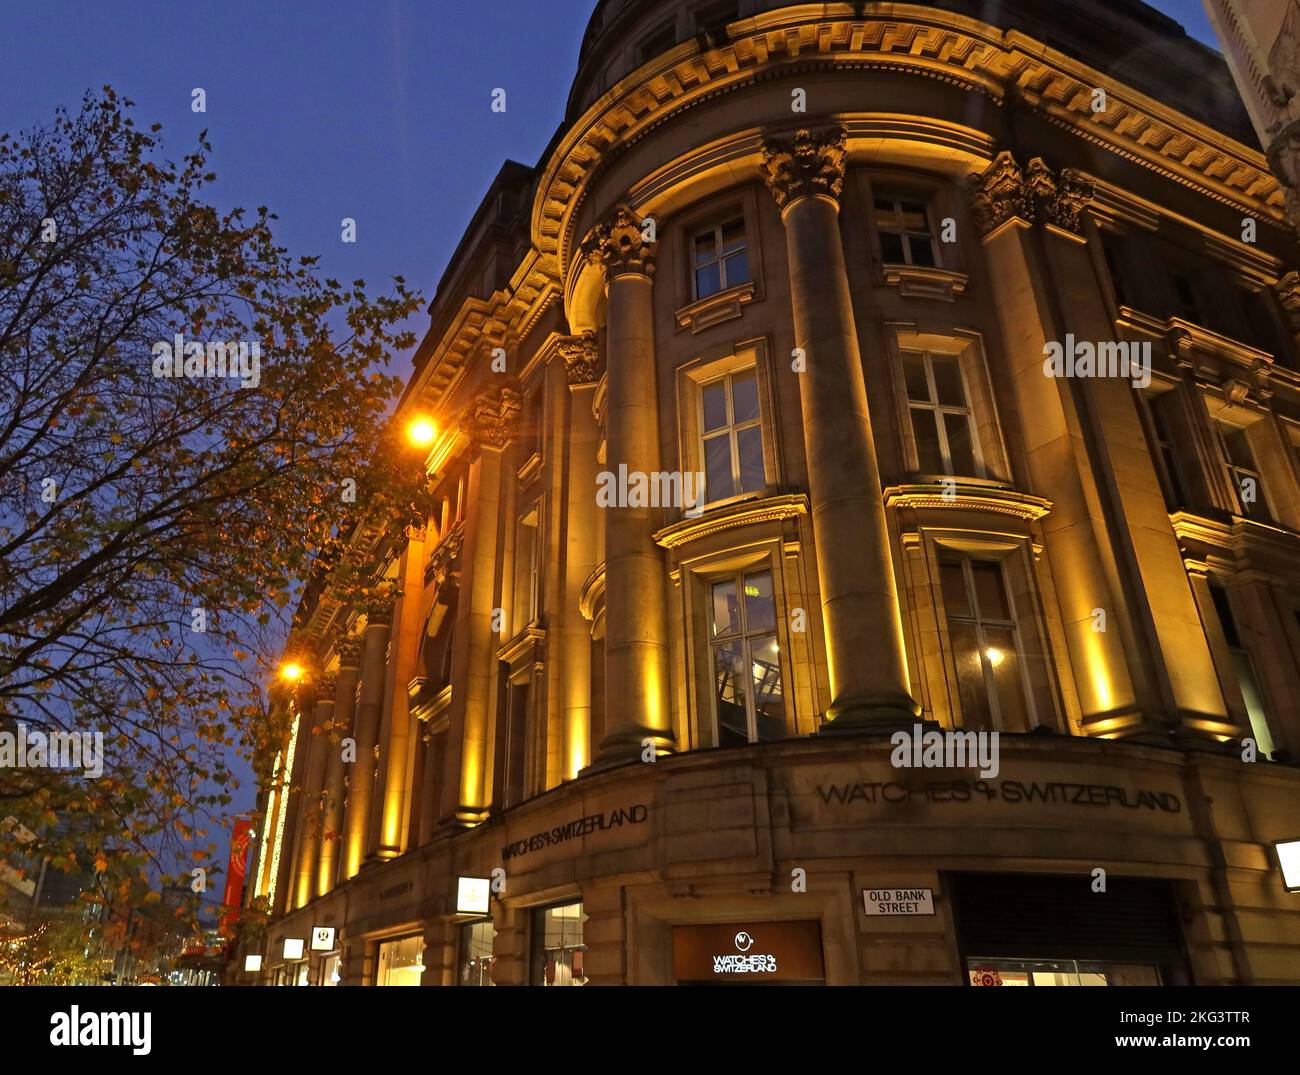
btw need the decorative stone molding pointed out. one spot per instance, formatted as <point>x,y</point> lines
<point>715,309</point>
<point>379,609</point>
<point>926,282</point>
<point>582,359</point>
<point>326,685</point>
<point>349,651</point>
<point>620,245</point>
<point>1288,294</point>
<point>1035,195</point>
<point>445,554</point>
<point>806,166</point>
<point>1284,160</point>
<point>968,498</point>
<point>743,513</point>
<point>491,416</point>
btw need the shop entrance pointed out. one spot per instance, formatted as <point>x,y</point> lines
<point>1027,930</point>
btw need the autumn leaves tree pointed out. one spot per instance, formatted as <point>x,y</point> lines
<point>154,528</point>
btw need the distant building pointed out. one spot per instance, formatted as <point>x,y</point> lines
<point>1261,39</point>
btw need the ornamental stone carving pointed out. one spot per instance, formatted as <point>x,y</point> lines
<point>621,244</point>
<point>1034,195</point>
<point>379,609</point>
<point>1288,294</point>
<point>326,685</point>
<point>809,164</point>
<point>349,651</point>
<point>491,416</point>
<point>582,361</point>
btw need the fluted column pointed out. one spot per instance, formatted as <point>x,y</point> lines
<point>489,428</point>
<point>345,704</point>
<point>636,619</point>
<point>361,780</point>
<point>865,653</point>
<point>315,750</point>
<point>583,369</point>
<point>295,765</point>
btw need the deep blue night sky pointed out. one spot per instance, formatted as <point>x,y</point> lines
<point>379,111</point>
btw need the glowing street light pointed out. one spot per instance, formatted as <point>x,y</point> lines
<point>292,671</point>
<point>421,432</point>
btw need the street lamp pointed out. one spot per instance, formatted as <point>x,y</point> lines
<point>292,671</point>
<point>421,432</point>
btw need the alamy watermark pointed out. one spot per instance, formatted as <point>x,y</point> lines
<point>25,749</point>
<point>934,749</point>
<point>658,489</point>
<point>236,358</point>
<point>1109,358</point>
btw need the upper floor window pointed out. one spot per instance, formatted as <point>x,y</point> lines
<point>906,234</point>
<point>719,258</point>
<point>941,415</point>
<point>750,702</point>
<point>985,643</point>
<point>1244,667</point>
<point>1169,470</point>
<point>732,436</point>
<point>529,559</point>
<point>1243,473</point>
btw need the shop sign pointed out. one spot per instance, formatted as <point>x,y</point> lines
<point>473,895</point>
<point>322,939</point>
<point>903,902</point>
<point>292,948</point>
<point>756,951</point>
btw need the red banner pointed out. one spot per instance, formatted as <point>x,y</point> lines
<point>240,838</point>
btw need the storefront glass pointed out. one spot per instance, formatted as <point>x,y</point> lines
<point>401,962</point>
<point>558,951</point>
<point>475,962</point>
<point>329,972</point>
<point>1058,972</point>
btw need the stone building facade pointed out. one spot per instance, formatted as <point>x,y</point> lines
<point>811,260</point>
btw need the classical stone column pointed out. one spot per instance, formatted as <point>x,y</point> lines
<point>1114,557</point>
<point>291,799</point>
<point>345,704</point>
<point>636,618</point>
<point>488,426</point>
<point>583,369</point>
<point>395,740</point>
<point>361,782</point>
<point>865,652</point>
<point>316,750</point>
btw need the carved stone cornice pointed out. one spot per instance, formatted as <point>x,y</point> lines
<point>1036,195</point>
<point>806,166</point>
<point>491,416</point>
<point>582,360</point>
<point>620,245</point>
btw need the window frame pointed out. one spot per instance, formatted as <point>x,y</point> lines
<point>940,411</point>
<point>745,637</point>
<point>896,194</point>
<point>720,254</point>
<point>731,431</point>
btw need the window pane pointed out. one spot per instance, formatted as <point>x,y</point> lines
<point>750,444</point>
<point>737,266</point>
<point>769,701</point>
<point>718,482</point>
<point>929,458</point>
<point>990,593</point>
<point>708,281</point>
<point>1238,448</point>
<point>921,250</point>
<point>760,609</point>
<point>1004,662</point>
<point>715,405</point>
<point>744,397</point>
<point>558,953</point>
<point>914,375</point>
<point>914,218</point>
<point>706,248</point>
<point>970,676</point>
<point>952,581</point>
<point>729,681</point>
<point>726,609</point>
<point>891,248</point>
<point>947,380</point>
<point>961,452</point>
<point>886,215</point>
<point>733,236</point>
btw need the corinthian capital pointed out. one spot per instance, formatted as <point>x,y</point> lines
<point>582,364</point>
<point>1288,294</point>
<point>809,164</point>
<point>621,245</point>
<point>491,416</point>
<point>1000,193</point>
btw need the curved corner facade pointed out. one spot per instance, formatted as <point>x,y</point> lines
<point>868,544</point>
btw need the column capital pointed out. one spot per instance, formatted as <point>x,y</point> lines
<point>491,415</point>
<point>621,246</point>
<point>810,164</point>
<point>379,609</point>
<point>1287,291</point>
<point>349,650</point>
<point>582,359</point>
<point>1034,195</point>
<point>326,685</point>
